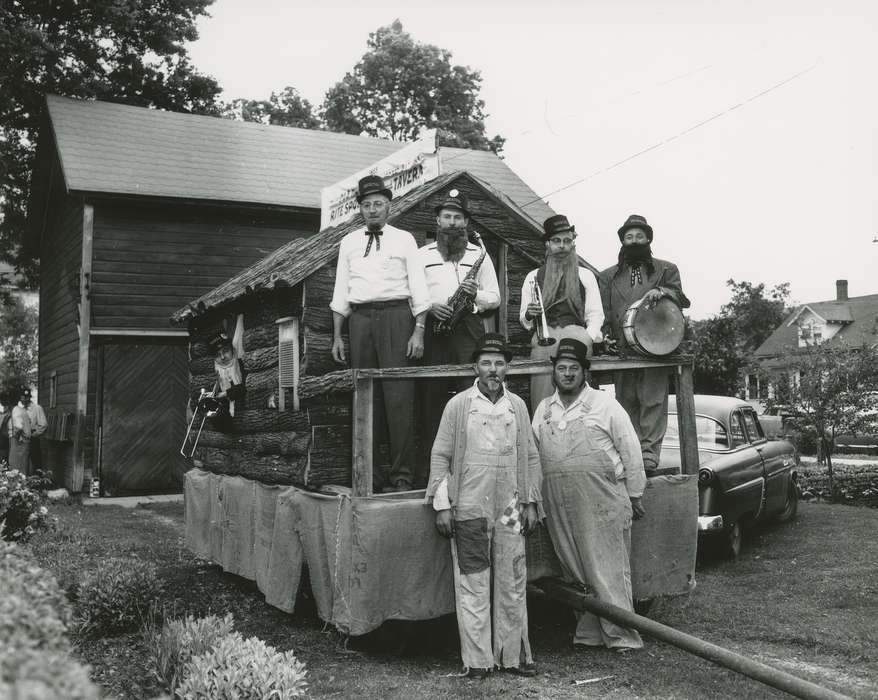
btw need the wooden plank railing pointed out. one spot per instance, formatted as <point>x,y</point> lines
<point>364,383</point>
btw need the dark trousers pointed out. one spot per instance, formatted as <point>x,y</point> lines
<point>643,394</point>
<point>379,334</point>
<point>454,349</point>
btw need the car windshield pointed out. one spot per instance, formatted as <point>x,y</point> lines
<point>711,433</point>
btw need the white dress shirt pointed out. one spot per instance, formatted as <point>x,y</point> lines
<point>444,276</point>
<point>390,272</point>
<point>592,312</point>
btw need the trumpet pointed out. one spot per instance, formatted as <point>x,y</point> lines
<point>541,325</point>
<point>209,405</point>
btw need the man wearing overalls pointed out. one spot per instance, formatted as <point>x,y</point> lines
<point>594,481</point>
<point>485,488</point>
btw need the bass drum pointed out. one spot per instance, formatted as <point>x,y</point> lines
<point>655,331</point>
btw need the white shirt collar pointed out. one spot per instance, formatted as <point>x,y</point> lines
<point>476,393</point>
<point>583,395</point>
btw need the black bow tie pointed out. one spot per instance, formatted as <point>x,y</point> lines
<point>373,236</point>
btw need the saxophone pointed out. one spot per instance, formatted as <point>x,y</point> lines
<point>461,302</point>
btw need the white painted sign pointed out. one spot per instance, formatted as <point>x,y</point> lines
<point>410,166</point>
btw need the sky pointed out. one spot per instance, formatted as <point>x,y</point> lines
<point>744,131</point>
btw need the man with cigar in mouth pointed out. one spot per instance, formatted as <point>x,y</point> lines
<point>637,275</point>
<point>593,485</point>
<point>452,264</point>
<point>571,299</point>
<point>485,485</point>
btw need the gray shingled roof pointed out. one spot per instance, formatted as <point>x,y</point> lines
<point>294,261</point>
<point>859,315</point>
<point>119,149</point>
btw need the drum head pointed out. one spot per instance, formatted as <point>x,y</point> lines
<point>659,330</point>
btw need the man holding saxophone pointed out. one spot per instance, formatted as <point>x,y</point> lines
<point>462,284</point>
<point>559,300</point>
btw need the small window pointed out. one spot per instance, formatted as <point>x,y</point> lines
<point>754,430</point>
<point>739,437</point>
<point>711,434</point>
<point>288,360</point>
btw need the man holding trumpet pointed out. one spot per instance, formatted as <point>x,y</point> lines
<point>559,300</point>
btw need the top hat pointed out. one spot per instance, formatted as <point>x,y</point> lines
<point>492,342</point>
<point>453,199</point>
<point>636,221</point>
<point>372,184</point>
<point>572,349</point>
<point>556,224</point>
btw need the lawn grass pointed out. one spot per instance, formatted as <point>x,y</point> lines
<point>802,597</point>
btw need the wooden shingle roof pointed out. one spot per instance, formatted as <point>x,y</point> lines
<point>293,262</point>
<point>119,149</point>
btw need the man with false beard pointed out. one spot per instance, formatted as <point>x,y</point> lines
<point>643,393</point>
<point>593,482</point>
<point>485,485</point>
<point>571,298</point>
<point>447,263</point>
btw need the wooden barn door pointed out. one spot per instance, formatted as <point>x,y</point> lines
<point>143,418</point>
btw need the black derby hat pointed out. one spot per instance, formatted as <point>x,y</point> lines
<point>372,184</point>
<point>453,199</point>
<point>572,349</point>
<point>556,224</point>
<point>636,221</point>
<point>492,342</point>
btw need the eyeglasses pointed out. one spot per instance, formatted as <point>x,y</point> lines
<point>562,241</point>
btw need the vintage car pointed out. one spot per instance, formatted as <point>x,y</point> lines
<point>743,476</point>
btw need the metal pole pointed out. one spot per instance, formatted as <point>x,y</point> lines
<point>797,687</point>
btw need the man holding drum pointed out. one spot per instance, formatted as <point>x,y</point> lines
<point>639,277</point>
<point>562,295</point>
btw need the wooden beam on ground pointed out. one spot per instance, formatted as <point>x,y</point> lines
<point>577,599</point>
<point>688,434</point>
<point>361,480</point>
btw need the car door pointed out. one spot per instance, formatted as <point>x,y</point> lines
<point>743,479</point>
<point>775,470</point>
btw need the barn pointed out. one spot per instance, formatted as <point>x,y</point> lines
<point>134,212</point>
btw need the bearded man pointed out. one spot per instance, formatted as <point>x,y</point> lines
<point>643,393</point>
<point>593,485</point>
<point>571,298</point>
<point>448,264</point>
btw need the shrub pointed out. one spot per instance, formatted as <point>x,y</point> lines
<point>22,509</point>
<point>66,553</point>
<point>243,669</point>
<point>33,611</point>
<point>178,641</point>
<point>115,596</point>
<point>44,675</point>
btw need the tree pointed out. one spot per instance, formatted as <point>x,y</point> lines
<point>18,343</point>
<point>722,344</point>
<point>129,51</point>
<point>286,108</point>
<point>830,387</point>
<point>401,86</point>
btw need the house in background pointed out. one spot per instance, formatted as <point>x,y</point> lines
<point>134,212</point>
<point>853,320</point>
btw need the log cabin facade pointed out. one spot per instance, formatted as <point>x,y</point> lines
<point>295,426</point>
<point>133,212</point>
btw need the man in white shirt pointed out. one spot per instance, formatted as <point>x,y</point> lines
<point>381,290</point>
<point>38,425</point>
<point>20,430</point>
<point>451,263</point>
<point>485,488</point>
<point>571,299</point>
<point>593,485</point>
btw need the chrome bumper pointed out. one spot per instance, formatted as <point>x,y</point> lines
<point>710,522</point>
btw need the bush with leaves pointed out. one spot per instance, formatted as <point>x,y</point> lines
<point>22,507</point>
<point>243,669</point>
<point>34,614</point>
<point>46,675</point>
<point>178,641</point>
<point>116,595</point>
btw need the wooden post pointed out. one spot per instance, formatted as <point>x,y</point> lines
<point>76,477</point>
<point>686,420</point>
<point>362,435</point>
<point>503,283</point>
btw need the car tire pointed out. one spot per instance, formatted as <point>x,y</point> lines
<point>791,505</point>
<point>732,541</point>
